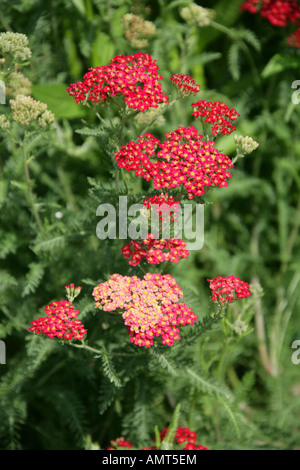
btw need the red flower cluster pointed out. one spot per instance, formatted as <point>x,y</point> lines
<point>294,39</point>
<point>231,286</point>
<point>152,249</point>
<point>182,436</point>
<point>166,207</point>
<point>61,322</point>
<point>134,77</point>
<point>185,84</point>
<point>278,13</point>
<point>218,114</point>
<point>119,442</point>
<point>183,159</point>
<point>151,307</point>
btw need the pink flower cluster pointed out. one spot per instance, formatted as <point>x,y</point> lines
<point>216,113</point>
<point>183,159</point>
<point>135,77</point>
<point>61,322</point>
<point>279,13</point>
<point>152,249</point>
<point>151,306</point>
<point>232,287</point>
<point>185,84</point>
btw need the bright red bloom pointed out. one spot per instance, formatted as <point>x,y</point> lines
<point>185,84</point>
<point>251,5</point>
<point>154,250</point>
<point>183,435</point>
<point>61,322</point>
<point>280,12</point>
<point>232,288</point>
<point>182,160</point>
<point>135,77</point>
<point>119,442</point>
<point>294,39</point>
<point>277,12</point>
<point>150,306</point>
<point>166,207</point>
<point>218,114</point>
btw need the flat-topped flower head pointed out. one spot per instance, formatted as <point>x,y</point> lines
<point>137,30</point>
<point>134,77</point>
<point>27,111</point>
<point>228,289</point>
<point>182,160</point>
<point>194,14</point>
<point>278,12</point>
<point>61,322</point>
<point>185,84</point>
<point>218,114</point>
<point>294,39</point>
<point>14,46</point>
<point>150,306</point>
<point>155,251</point>
<point>245,145</point>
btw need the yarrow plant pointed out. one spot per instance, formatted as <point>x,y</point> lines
<point>217,114</point>
<point>61,322</point>
<point>183,159</point>
<point>151,306</point>
<point>153,250</point>
<point>279,13</point>
<point>184,439</point>
<point>228,289</point>
<point>187,161</point>
<point>137,30</point>
<point>133,77</point>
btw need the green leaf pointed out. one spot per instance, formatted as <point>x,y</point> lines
<point>58,100</point>
<point>278,63</point>
<point>103,50</point>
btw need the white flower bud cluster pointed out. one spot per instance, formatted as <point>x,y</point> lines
<point>196,15</point>
<point>27,110</point>
<point>239,327</point>
<point>247,144</point>
<point>137,30</point>
<point>146,118</point>
<point>14,45</point>
<point>18,84</point>
<point>4,123</point>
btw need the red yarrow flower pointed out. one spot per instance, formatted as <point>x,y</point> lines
<point>61,322</point>
<point>150,306</point>
<point>135,77</point>
<point>294,39</point>
<point>119,442</point>
<point>185,84</point>
<point>182,436</point>
<point>216,113</point>
<point>183,160</point>
<point>165,206</point>
<point>154,250</point>
<point>278,12</point>
<point>228,289</point>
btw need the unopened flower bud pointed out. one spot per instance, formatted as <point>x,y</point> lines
<point>197,15</point>
<point>245,144</point>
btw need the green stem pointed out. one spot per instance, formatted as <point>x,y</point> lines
<point>29,193</point>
